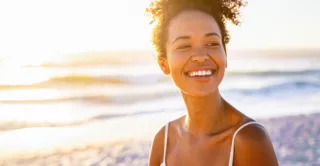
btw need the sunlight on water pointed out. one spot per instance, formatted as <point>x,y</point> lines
<point>21,76</point>
<point>29,60</point>
<point>30,94</point>
<point>49,108</point>
<point>34,141</point>
<point>59,112</point>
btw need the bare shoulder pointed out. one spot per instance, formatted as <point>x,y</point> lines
<point>157,147</point>
<point>253,146</point>
<point>156,151</point>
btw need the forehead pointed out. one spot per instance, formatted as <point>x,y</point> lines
<point>192,23</point>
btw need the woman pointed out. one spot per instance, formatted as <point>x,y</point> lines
<point>190,37</point>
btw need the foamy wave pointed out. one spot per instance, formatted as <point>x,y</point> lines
<point>297,87</point>
<point>16,125</point>
<point>97,98</point>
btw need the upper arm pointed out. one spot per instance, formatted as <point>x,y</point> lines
<point>156,151</point>
<point>253,147</point>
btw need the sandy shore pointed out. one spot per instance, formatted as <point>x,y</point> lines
<point>296,140</point>
<point>133,153</point>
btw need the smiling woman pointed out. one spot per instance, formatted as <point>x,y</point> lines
<point>190,38</point>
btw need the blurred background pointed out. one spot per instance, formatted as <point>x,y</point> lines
<point>79,84</point>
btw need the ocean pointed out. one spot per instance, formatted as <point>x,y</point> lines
<point>122,96</point>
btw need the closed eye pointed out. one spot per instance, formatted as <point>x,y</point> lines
<point>213,44</point>
<point>184,47</point>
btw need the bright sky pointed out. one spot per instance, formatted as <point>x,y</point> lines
<point>37,28</point>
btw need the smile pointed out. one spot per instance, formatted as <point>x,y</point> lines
<point>200,73</point>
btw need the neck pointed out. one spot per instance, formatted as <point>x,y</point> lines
<point>204,114</point>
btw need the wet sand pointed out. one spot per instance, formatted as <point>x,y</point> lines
<point>296,140</point>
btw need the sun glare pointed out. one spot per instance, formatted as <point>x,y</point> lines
<point>44,30</point>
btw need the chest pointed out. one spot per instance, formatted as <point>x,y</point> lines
<point>199,154</point>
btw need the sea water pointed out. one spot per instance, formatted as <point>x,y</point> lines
<point>70,104</point>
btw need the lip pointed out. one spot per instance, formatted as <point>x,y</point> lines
<point>199,69</point>
<point>202,79</point>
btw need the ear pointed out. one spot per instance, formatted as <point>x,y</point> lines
<point>163,63</point>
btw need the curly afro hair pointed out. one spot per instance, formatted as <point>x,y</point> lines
<point>163,11</point>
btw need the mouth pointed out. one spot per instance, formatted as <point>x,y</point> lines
<point>200,73</point>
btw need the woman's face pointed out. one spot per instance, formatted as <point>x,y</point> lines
<point>196,59</point>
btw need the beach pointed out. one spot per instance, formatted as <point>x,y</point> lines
<point>296,140</point>
<point>80,82</point>
<point>106,110</point>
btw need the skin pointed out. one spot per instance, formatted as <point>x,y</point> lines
<point>203,136</point>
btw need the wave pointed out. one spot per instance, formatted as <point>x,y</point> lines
<point>90,80</point>
<point>99,99</point>
<point>65,80</point>
<point>16,125</point>
<point>274,73</point>
<point>296,86</point>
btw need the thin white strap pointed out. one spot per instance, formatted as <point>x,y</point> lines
<point>233,138</point>
<point>165,143</point>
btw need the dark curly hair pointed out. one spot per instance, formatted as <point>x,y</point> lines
<point>163,11</point>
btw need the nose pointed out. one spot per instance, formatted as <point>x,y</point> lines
<point>200,55</point>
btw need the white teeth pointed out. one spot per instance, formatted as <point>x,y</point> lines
<point>200,73</point>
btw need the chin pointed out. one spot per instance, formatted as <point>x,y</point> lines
<point>200,93</point>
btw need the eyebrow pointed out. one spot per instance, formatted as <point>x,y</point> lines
<point>181,38</point>
<point>212,34</point>
<point>188,37</point>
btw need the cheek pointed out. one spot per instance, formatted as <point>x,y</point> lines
<point>176,66</point>
<point>176,63</point>
<point>219,57</point>
<point>222,64</point>
<point>222,61</point>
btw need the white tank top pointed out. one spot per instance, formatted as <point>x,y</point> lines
<point>232,144</point>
